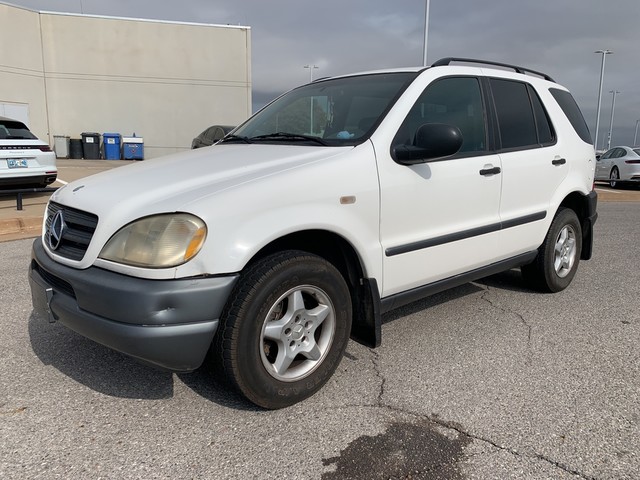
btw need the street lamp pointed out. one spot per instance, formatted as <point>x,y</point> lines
<point>311,67</point>
<point>635,137</point>
<point>613,108</point>
<point>426,33</point>
<point>604,54</point>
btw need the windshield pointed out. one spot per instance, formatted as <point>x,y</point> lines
<point>341,111</point>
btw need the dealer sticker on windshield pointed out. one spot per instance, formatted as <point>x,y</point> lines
<point>17,163</point>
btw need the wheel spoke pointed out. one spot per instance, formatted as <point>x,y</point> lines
<point>313,353</point>
<point>296,302</point>
<point>317,315</point>
<point>274,330</point>
<point>283,360</point>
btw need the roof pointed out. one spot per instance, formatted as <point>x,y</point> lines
<point>109,17</point>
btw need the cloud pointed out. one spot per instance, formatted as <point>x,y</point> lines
<point>556,37</point>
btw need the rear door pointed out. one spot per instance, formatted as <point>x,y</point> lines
<point>533,165</point>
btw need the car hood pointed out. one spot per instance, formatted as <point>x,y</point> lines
<point>173,183</point>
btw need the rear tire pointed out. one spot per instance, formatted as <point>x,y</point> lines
<point>614,178</point>
<point>285,330</point>
<point>557,261</point>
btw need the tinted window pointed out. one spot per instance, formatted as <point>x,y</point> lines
<point>546,135</point>
<point>517,124</point>
<point>10,129</point>
<point>573,113</point>
<point>453,101</point>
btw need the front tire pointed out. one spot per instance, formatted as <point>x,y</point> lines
<point>285,330</point>
<point>558,256</point>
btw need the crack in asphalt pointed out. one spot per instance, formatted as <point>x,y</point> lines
<point>484,297</point>
<point>434,419</point>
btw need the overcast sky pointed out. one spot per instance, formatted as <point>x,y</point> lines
<point>557,37</point>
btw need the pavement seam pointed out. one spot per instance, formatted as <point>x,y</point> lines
<point>379,404</point>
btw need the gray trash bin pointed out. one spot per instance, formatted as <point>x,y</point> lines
<point>61,146</point>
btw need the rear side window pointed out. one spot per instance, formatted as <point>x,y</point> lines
<point>522,120</point>
<point>573,113</point>
<point>546,135</point>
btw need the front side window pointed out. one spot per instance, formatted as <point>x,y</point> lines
<point>341,111</point>
<point>453,101</point>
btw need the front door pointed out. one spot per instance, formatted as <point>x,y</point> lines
<point>442,217</point>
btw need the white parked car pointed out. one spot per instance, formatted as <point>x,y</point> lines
<point>341,200</point>
<point>25,161</point>
<point>619,165</point>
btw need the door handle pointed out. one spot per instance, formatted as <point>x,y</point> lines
<point>490,171</point>
<point>559,161</point>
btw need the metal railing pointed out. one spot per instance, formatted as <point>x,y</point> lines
<point>20,192</point>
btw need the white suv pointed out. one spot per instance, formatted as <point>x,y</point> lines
<point>25,161</point>
<point>339,201</point>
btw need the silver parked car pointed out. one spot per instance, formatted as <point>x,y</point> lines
<point>618,165</point>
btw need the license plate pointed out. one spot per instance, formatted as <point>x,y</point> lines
<point>17,163</point>
<point>41,296</point>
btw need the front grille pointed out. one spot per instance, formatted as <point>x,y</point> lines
<point>78,231</point>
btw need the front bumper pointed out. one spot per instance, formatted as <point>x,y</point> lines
<point>166,323</point>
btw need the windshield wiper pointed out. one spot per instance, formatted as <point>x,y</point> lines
<point>289,136</point>
<point>235,138</point>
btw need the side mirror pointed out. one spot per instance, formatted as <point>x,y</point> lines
<point>434,141</point>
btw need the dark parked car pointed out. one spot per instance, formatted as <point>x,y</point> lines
<point>211,135</point>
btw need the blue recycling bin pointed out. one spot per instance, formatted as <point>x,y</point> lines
<point>133,148</point>
<point>111,144</point>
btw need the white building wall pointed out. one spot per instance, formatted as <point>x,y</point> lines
<point>164,81</point>
<point>21,68</point>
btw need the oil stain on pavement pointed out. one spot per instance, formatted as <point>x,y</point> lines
<point>404,451</point>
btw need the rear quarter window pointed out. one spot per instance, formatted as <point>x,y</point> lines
<point>573,113</point>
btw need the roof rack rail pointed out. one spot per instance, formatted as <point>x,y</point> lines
<point>448,60</point>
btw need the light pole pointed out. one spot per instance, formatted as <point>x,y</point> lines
<point>613,108</point>
<point>426,33</point>
<point>635,137</point>
<point>604,54</point>
<point>311,67</point>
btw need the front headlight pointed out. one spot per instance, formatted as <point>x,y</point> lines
<point>159,241</point>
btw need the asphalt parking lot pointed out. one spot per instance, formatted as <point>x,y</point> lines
<point>488,380</point>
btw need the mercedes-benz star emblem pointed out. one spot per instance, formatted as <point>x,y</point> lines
<point>56,230</point>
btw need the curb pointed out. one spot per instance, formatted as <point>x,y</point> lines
<point>16,228</point>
